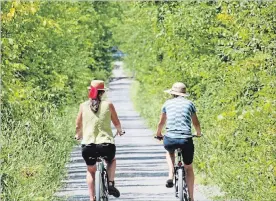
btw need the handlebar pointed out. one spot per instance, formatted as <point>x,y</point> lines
<point>117,133</point>
<point>197,135</point>
<point>159,137</point>
<point>75,138</point>
<point>120,133</point>
<point>162,137</point>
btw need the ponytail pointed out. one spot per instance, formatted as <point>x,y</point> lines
<point>95,103</point>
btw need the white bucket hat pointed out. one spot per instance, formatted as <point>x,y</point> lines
<point>179,89</point>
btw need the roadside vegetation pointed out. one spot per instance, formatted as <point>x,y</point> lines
<point>225,53</point>
<point>50,52</point>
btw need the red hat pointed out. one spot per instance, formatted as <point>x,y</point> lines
<point>98,84</point>
<point>94,87</point>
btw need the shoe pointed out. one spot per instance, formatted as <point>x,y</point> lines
<point>112,190</point>
<point>169,183</point>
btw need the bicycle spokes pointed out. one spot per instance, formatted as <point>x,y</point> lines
<point>105,184</point>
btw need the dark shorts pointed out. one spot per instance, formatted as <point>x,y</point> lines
<point>186,145</point>
<point>91,152</point>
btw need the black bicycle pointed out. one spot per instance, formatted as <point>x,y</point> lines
<point>101,177</point>
<point>181,188</point>
<point>101,181</point>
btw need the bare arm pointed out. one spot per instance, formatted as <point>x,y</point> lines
<point>79,124</point>
<point>196,124</point>
<point>114,118</point>
<point>162,121</point>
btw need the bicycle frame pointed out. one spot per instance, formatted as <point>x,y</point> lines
<point>101,183</point>
<point>183,192</point>
<point>101,176</point>
<point>100,165</point>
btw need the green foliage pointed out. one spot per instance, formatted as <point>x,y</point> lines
<point>225,53</point>
<point>34,154</point>
<point>50,52</point>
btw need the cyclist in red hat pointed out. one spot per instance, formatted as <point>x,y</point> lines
<point>93,126</point>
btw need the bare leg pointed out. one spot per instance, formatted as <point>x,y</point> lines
<point>190,180</point>
<point>112,190</point>
<point>111,168</point>
<point>170,160</point>
<point>90,179</point>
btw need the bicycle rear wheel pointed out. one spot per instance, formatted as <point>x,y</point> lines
<point>105,185</point>
<point>180,184</point>
<point>98,185</point>
<point>185,190</point>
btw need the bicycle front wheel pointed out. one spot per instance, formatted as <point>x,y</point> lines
<point>180,184</point>
<point>98,185</point>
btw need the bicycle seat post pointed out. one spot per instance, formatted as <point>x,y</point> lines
<point>100,164</point>
<point>179,154</point>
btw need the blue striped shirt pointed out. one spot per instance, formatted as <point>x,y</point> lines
<point>179,117</point>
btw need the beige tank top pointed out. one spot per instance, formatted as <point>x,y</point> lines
<point>96,127</point>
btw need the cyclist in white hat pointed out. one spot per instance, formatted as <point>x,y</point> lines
<point>178,114</point>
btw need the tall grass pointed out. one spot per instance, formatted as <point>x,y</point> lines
<point>225,160</point>
<point>34,153</point>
